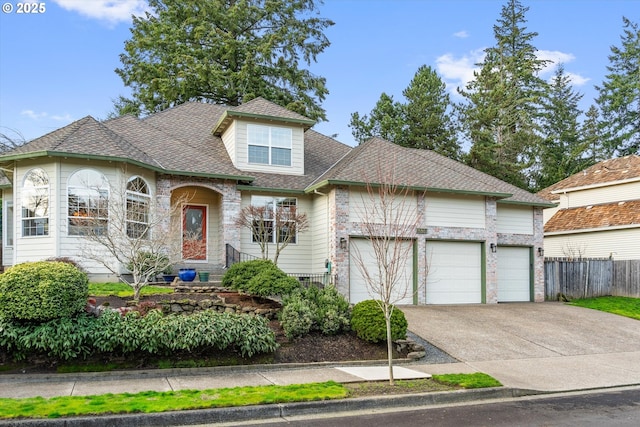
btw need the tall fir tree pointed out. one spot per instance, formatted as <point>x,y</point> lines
<point>427,114</point>
<point>500,115</point>
<point>562,151</point>
<point>619,95</point>
<point>225,52</point>
<point>423,121</point>
<point>592,135</point>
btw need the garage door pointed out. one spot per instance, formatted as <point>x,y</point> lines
<point>455,273</point>
<point>357,285</point>
<point>514,274</point>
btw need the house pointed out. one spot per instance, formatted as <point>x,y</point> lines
<point>597,212</point>
<point>479,241</point>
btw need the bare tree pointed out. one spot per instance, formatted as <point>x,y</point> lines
<point>10,139</point>
<point>273,225</point>
<point>389,219</point>
<point>136,230</point>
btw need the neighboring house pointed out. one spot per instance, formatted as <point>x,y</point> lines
<point>597,213</point>
<point>479,242</point>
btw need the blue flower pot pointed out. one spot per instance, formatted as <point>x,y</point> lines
<point>187,274</point>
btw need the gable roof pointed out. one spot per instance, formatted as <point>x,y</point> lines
<point>607,215</point>
<point>603,173</point>
<point>419,169</point>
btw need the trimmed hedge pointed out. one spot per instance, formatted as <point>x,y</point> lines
<point>259,277</point>
<point>367,320</point>
<point>42,291</point>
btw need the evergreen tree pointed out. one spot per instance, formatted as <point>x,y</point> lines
<point>619,95</point>
<point>562,151</point>
<point>424,121</point>
<point>591,132</point>
<point>386,121</point>
<point>225,52</point>
<point>501,111</point>
<point>427,114</point>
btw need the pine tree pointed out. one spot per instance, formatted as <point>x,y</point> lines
<point>386,121</point>
<point>619,95</point>
<point>562,151</point>
<point>501,111</point>
<point>226,53</point>
<point>591,132</point>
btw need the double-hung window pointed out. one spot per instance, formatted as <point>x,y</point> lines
<point>269,145</point>
<point>35,203</point>
<point>88,200</point>
<point>276,219</point>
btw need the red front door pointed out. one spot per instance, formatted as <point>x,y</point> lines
<point>194,232</point>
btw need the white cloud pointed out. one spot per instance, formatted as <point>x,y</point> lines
<point>33,115</point>
<point>45,116</point>
<point>461,34</point>
<point>554,57</point>
<point>112,11</point>
<point>458,71</point>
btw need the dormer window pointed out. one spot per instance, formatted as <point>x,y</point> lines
<point>269,145</point>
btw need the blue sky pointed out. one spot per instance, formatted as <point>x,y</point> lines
<point>58,66</point>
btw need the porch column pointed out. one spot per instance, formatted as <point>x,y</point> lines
<point>231,206</point>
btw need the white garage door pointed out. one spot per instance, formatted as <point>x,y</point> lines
<point>358,290</point>
<point>514,274</point>
<point>455,273</point>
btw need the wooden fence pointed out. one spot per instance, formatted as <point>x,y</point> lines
<point>585,278</point>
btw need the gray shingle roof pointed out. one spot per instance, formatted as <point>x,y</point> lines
<point>418,168</point>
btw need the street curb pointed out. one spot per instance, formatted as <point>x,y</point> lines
<point>275,411</point>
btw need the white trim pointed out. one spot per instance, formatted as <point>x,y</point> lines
<point>592,230</point>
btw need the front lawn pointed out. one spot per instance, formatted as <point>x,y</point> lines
<point>623,306</point>
<point>123,290</point>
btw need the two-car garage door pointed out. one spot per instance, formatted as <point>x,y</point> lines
<point>455,273</point>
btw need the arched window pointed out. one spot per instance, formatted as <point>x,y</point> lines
<point>88,203</point>
<point>138,201</point>
<point>35,203</point>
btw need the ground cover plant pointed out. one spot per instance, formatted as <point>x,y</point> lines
<point>151,401</point>
<point>623,306</point>
<point>124,290</point>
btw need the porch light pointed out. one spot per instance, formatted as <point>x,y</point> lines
<point>343,243</point>
<point>493,248</point>
<point>540,252</point>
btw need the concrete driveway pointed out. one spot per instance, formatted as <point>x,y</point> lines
<point>543,346</point>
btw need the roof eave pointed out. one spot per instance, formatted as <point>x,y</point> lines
<point>229,115</point>
<point>270,190</point>
<point>154,168</point>
<point>535,204</point>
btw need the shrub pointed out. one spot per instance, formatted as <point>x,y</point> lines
<point>325,310</point>
<point>42,291</point>
<point>150,264</point>
<point>367,320</point>
<point>297,317</point>
<point>259,277</point>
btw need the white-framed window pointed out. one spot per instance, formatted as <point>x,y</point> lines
<point>7,215</point>
<point>35,203</point>
<point>269,145</point>
<point>275,220</point>
<point>88,200</point>
<point>138,203</point>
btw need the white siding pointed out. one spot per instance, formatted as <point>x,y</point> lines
<point>241,151</point>
<point>620,244</point>
<point>365,207</point>
<point>229,139</point>
<point>7,251</point>
<point>296,257</point>
<point>319,229</point>
<point>515,219</point>
<point>455,211</point>
<point>599,195</point>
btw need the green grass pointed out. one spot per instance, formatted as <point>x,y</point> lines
<point>623,306</point>
<point>476,380</point>
<point>152,401</point>
<point>123,290</point>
